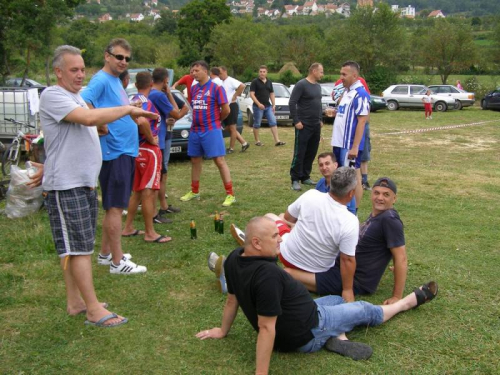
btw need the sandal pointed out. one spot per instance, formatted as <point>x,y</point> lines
<point>428,292</point>
<point>280,143</point>
<point>101,322</point>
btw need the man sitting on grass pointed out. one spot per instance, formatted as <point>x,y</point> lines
<point>281,309</point>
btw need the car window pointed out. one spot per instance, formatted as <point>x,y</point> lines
<point>433,89</point>
<point>453,90</point>
<point>400,90</point>
<point>419,90</point>
<point>325,91</point>
<point>444,90</point>
<point>281,91</point>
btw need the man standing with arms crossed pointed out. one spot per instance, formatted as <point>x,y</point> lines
<point>233,88</point>
<point>210,107</point>
<point>119,147</point>
<point>349,126</point>
<point>70,179</point>
<point>261,92</point>
<point>306,111</point>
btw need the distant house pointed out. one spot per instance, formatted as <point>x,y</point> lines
<point>408,12</point>
<point>365,3</point>
<point>436,14</point>
<point>310,6</point>
<point>331,8</point>
<point>291,10</point>
<point>136,17</point>
<point>344,9</point>
<point>104,18</point>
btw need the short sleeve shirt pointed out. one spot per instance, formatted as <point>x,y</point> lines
<point>324,188</point>
<point>73,153</point>
<point>164,107</point>
<point>105,91</point>
<point>148,105</point>
<point>187,81</point>
<point>354,103</point>
<point>262,90</point>
<point>230,84</point>
<point>207,100</point>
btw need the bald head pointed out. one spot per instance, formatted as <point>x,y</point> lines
<point>261,237</point>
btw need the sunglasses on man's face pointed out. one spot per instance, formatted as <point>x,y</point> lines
<point>121,57</point>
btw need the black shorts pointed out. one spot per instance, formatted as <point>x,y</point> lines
<point>232,118</point>
<point>73,220</point>
<point>116,179</point>
<point>330,282</point>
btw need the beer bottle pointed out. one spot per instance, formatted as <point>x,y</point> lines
<point>216,221</point>
<point>221,225</point>
<point>193,229</point>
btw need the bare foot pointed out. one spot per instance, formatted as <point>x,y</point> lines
<point>158,238</point>
<point>81,309</point>
<point>131,232</point>
<point>101,313</point>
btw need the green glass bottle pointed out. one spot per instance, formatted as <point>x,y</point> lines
<point>221,225</point>
<point>193,229</point>
<point>216,221</point>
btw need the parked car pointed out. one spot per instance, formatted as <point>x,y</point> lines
<point>410,96</point>
<point>182,127</point>
<point>462,97</point>
<point>282,112</point>
<point>28,83</point>
<point>491,100</point>
<point>377,102</point>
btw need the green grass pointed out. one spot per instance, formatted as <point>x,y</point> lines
<point>448,199</point>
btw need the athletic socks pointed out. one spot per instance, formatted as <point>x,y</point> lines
<point>195,187</point>
<point>229,188</point>
<point>364,178</point>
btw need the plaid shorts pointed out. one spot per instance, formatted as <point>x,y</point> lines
<point>73,220</point>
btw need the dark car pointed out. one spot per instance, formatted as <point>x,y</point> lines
<point>491,100</point>
<point>28,83</point>
<point>376,103</point>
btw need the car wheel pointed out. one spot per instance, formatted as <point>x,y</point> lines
<point>440,107</point>
<point>458,105</point>
<point>392,105</point>
<point>483,104</point>
<point>250,118</point>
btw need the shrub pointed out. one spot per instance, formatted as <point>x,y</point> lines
<point>288,78</point>
<point>380,78</point>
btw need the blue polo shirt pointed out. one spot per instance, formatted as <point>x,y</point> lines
<point>105,91</point>
<point>324,188</point>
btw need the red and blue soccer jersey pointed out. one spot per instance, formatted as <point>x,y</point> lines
<point>206,101</point>
<point>148,105</point>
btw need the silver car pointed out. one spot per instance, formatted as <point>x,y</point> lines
<point>410,96</point>
<point>462,97</point>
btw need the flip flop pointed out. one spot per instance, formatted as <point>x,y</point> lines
<point>259,143</point>
<point>159,240</point>
<point>133,234</point>
<point>84,311</point>
<point>100,322</point>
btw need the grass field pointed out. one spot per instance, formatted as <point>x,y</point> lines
<point>448,194</point>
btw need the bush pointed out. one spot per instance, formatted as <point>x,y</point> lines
<point>288,78</point>
<point>380,78</point>
<point>472,84</point>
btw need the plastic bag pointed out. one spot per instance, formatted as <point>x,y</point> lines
<point>21,199</point>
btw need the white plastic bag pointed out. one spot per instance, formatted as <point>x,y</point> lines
<point>21,199</point>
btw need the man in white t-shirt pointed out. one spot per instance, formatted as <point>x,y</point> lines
<point>323,229</point>
<point>233,88</point>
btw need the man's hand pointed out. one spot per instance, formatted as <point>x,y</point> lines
<point>274,108</point>
<point>214,333</point>
<point>348,295</point>
<point>391,300</point>
<point>353,152</point>
<point>299,126</point>
<point>261,106</point>
<point>139,112</point>
<point>102,130</point>
<point>36,179</point>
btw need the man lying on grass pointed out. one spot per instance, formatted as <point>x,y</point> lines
<point>281,309</point>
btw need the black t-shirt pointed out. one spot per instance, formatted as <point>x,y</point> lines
<point>262,90</point>
<point>377,235</point>
<point>263,288</point>
<point>305,103</point>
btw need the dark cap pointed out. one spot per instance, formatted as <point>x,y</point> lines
<point>386,182</point>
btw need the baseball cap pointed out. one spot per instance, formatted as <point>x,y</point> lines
<point>386,182</point>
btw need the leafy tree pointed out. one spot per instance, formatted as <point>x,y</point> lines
<point>166,24</point>
<point>197,20</point>
<point>239,45</point>
<point>449,47</point>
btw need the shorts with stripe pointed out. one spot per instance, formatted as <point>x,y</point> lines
<point>73,220</point>
<point>147,167</point>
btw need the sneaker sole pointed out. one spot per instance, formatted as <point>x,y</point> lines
<point>236,235</point>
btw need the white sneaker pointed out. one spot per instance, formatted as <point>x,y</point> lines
<point>212,259</point>
<point>126,267</point>
<point>106,261</point>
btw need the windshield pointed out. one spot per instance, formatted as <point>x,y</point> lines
<point>326,90</point>
<point>281,91</point>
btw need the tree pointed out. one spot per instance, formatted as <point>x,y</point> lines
<point>166,24</point>
<point>239,45</point>
<point>449,47</point>
<point>197,20</point>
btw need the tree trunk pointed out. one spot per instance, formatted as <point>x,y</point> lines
<point>47,70</point>
<point>28,62</point>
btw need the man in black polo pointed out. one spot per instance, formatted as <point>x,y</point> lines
<point>262,94</point>
<point>306,111</point>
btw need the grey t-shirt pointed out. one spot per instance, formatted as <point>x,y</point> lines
<point>305,103</point>
<point>73,152</point>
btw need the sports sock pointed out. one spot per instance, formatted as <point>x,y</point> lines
<point>364,178</point>
<point>195,187</point>
<point>229,188</point>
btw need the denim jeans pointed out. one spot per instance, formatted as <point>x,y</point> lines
<point>259,113</point>
<point>337,317</point>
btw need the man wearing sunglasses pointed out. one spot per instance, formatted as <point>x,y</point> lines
<point>119,146</point>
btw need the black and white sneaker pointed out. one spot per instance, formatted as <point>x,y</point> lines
<point>158,219</point>
<point>170,210</point>
<point>107,260</point>
<point>126,267</point>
